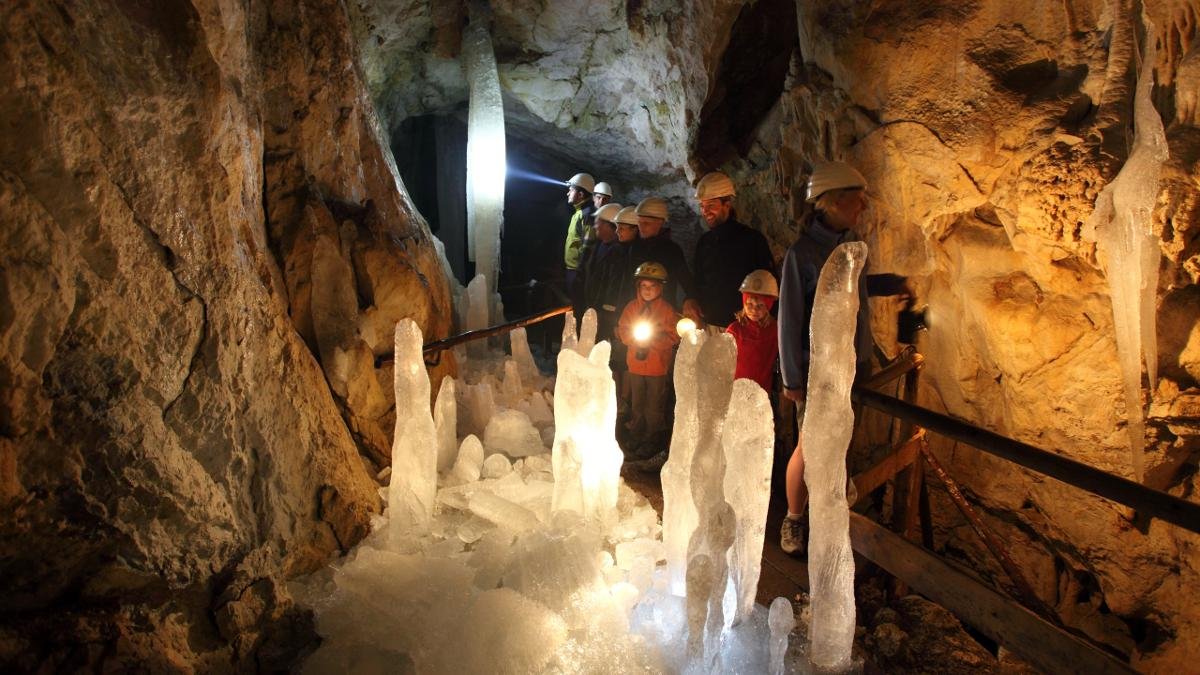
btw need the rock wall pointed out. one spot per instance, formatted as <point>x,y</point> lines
<point>185,188</point>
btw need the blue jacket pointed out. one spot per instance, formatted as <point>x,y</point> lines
<point>797,289</point>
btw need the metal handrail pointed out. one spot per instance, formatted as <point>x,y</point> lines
<point>480,333</point>
<point>1144,500</point>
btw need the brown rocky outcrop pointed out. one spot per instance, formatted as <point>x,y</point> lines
<point>171,447</point>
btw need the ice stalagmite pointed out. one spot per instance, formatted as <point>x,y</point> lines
<point>587,333</point>
<point>679,512</point>
<point>414,450</point>
<point>1124,231</point>
<point>586,458</point>
<point>518,342</point>
<point>781,619</point>
<point>486,165</point>
<point>570,340</point>
<point>825,433</point>
<point>445,422</point>
<point>749,442</point>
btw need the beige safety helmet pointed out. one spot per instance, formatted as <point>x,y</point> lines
<point>651,270</point>
<point>653,207</point>
<point>760,282</point>
<point>833,176</point>
<point>583,180</point>
<point>627,216</point>
<point>603,188</point>
<point>608,212</point>
<point>714,184</point>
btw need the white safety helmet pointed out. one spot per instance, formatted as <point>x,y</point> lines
<point>833,176</point>
<point>603,188</point>
<point>653,207</point>
<point>608,212</point>
<point>760,282</point>
<point>583,180</point>
<point>714,184</point>
<point>627,216</point>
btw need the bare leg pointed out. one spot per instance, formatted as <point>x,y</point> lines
<point>797,491</point>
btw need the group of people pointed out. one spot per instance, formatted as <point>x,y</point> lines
<point>621,262</point>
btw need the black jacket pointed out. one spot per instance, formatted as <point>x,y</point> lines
<point>724,256</point>
<point>662,249</point>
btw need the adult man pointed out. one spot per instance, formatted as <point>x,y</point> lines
<point>601,195</point>
<point>655,244</point>
<point>579,193</point>
<point>836,191</point>
<point>725,254</point>
<point>601,262</point>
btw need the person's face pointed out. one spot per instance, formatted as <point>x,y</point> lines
<point>574,195</point>
<point>845,210</point>
<point>599,200</point>
<point>649,227</point>
<point>605,230</point>
<point>716,211</point>
<point>649,290</point>
<point>755,307</point>
<point>626,233</point>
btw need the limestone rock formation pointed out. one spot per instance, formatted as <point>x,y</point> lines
<point>177,179</point>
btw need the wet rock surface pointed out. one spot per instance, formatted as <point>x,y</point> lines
<point>175,441</point>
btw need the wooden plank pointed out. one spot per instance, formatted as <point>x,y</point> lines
<point>1043,644</point>
<point>868,481</point>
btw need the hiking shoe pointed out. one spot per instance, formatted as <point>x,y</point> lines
<point>650,465</point>
<point>792,536</point>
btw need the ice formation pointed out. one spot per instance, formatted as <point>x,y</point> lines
<point>486,165</point>
<point>586,458</point>
<point>445,424</point>
<point>518,342</point>
<point>546,560</point>
<point>825,433</point>
<point>781,619</point>
<point>1124,230</point>
<point>477,312</point>
<point>570,339</point>
<point>414,450</point>
<point>587,333</point>
<point>749,443</point>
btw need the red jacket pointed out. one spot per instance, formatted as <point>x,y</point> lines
<point>757,347</point>
<point>660,349</point>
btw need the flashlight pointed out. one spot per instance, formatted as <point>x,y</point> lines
<point>642,331</point>
<point>685,326</point>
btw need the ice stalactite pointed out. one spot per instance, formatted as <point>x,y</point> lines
<point>486,167</point>
<point>825,433</point>
<point>1123,219</point>
<point>781,619</point>
<point>586,457</point>
<point>415,450</point>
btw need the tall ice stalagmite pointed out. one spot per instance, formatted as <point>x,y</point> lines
<point>828,425</point>
<point>415,447</point>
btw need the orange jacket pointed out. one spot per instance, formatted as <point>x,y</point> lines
<point>659,350</point>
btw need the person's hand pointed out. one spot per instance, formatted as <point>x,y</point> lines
<point>691,309</point>
<point>796,395</point>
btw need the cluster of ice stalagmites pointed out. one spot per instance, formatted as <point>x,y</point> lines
<point>539,560</point>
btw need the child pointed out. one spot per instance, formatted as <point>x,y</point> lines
<point>647,328</point>
<point>754,329</point>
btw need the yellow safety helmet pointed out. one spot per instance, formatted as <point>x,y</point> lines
<point>651,270</point>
